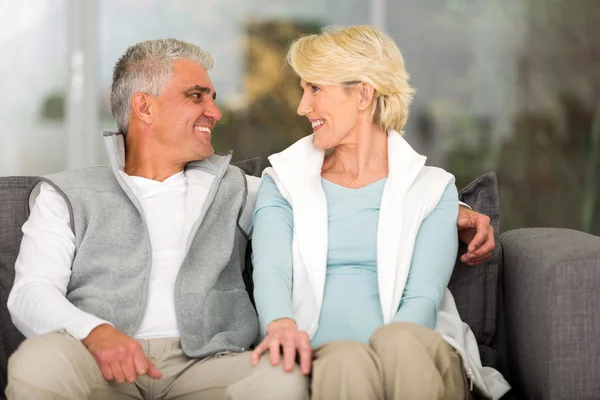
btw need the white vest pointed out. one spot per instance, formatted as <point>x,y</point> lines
<point>411,193</point>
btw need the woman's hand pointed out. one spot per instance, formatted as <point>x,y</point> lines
<point>283,333</point>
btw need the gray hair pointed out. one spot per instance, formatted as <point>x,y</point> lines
<point>146,67</point>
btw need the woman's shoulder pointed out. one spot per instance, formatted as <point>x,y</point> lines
<point>268,185</point>
<point>431,186</point>
<point>435,177</point>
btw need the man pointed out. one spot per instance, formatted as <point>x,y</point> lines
<point>129,279</point>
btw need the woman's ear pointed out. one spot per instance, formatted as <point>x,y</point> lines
<point>367,92</point>
<point>141,106</point>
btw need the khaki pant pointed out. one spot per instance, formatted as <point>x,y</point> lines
<point>403,361</point>
<point>57,366</point>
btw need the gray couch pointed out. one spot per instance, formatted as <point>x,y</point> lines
<point>534,308</point>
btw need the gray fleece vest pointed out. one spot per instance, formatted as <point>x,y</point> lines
<point>113,258</point>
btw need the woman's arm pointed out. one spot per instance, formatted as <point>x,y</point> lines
<point>272,254</point>
<point>272,260</point>
<point>432,263</point>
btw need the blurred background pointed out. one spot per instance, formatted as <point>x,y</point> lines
<point>511,86</point>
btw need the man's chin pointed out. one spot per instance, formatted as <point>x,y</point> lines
<point>205,153</point>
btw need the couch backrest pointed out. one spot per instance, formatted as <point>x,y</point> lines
<point>476,289</point>
<point>13,213</point>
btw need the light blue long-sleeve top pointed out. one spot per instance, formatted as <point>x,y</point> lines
<point>351,307</point>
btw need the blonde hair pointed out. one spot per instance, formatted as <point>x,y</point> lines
<point>357,54</point>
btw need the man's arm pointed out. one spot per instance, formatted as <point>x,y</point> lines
<point>38,304</point>
<point>37,301</point>
<point>475,231</point>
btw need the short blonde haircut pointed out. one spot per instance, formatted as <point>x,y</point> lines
<point>357,54</point>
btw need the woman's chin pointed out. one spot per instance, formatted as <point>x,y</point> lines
<point>322,144</point>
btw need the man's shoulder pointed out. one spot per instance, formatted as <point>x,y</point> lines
<point>92,177</point>
<point>89,172</point>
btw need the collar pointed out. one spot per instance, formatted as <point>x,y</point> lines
<point>115,147</point>
<point>404,162</point>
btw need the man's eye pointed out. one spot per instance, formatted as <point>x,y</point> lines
<point>197,95</point>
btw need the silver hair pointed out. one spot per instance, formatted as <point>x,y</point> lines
<point>146,67</point>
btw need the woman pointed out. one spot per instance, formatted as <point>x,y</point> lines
<point>355,239</point>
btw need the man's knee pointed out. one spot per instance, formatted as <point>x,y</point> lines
<point>288,385</point>
<point>41,355</point>
<point>270,382</point>
<point>45,361</point>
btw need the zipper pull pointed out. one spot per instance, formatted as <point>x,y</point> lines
<point>470,374</point>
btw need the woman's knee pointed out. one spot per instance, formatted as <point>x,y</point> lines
<point>348,370</point>
<point>403,334</point>
<point>346,360</point>
<point>346,352</point>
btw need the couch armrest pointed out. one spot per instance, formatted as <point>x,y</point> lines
<point>552,303</point>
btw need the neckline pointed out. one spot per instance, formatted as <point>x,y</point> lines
<point>176,177</point>
<point>377,182</point>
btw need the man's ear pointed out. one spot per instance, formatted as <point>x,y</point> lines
<point>142,106</point>
<point>367,93</point>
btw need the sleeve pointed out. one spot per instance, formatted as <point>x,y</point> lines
<point>432,263</point>
<point>272,254</point>
<point>37,302</point>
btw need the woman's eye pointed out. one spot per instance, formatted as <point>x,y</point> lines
<point>315,88</point>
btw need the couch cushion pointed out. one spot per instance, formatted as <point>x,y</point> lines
<point>475,287</point>
<point>13,213</point>
<point>252,166</point>
<point>551,278</point>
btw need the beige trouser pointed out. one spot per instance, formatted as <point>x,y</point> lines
<point>403,361</point>
<point>58,366</point>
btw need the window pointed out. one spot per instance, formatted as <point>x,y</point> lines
<point>510,86</point>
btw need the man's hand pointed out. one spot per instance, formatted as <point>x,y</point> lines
<point>475,231</point>
<point>119,356</point>
<point>283,333</point>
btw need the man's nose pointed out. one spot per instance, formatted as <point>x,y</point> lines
<point>212,111</point>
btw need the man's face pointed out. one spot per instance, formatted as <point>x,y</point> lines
<point>186,113</point>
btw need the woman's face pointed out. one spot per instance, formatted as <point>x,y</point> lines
<point>333,112</point>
